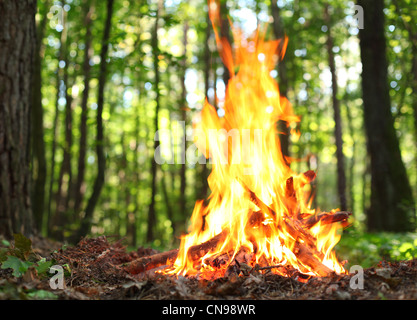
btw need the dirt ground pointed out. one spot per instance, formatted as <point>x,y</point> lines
<point>93,271</point>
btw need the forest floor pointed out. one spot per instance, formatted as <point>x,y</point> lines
<point>93,272</point>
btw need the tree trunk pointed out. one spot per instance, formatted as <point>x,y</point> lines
<point>18,44</point>
<point>154,164</point>
<point>207,67</point>
<point>412,36</point>
<point>38,143</point>
<point>225,33</point>
<point>50,223</point>
<point>101,160</point>
<point>183,107</point>
<point>341,176</point>
<point>88,52</point>
<point>351,180</point>
<point>392,204</point>
<point>65,172</point>
<point>278,28</point>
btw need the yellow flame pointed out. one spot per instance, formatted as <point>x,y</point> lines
<point>244,148</point>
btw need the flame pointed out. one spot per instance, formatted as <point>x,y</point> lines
<point>245,152</point>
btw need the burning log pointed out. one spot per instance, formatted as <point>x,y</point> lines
<point>194,253</point>
<point>150,262</point>
<point>305,251</point>
<point>164,258</point>
<point>298,229</point>
<point>327,218</point>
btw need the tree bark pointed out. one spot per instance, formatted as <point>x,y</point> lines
<point>225,33</point>
<point>38,143</point>
<point>392,204</point>
<point>278,28</point>
<point>183,107</point>
<point>18,44</point>
<point>207,67</point>
<point>412,36</point>
<point>88,52</point>
<point>101,159</point>
<point>50,223</point>
<point>341,176</point>
<point>154,164</point>
<point>65,172</point>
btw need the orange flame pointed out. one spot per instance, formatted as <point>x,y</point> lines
<point>246,157</point>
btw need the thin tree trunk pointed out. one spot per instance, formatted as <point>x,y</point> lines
<point>278,28</point>
<point>412,36</point>
<point>183,106</point>
<point>170,212</point>
<point>50,227</point>
<point>101,160</point>
<point>207,67</point>
<point>38,143</point>
<point>18,44</point>
<point>225,33</point>
<point>392,204</point>
<point>351,182</point>
<point>154,165</point>
<point>132,216</point>
<point>341,176</point>
<point>88,52</point>
<point>65,172</point>
<point>125,181</point>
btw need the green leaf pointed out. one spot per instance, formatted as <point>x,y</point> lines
<point>43,266</point>
<point>42,295</point>
<point>3,254</point>
<point>19,267</point>
<point>23,245</point>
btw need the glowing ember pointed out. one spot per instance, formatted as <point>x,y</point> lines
<point>259,211</point>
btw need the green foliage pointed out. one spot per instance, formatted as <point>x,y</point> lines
<point>18,266</point>
<point>367,249</point>
<point>42,266</point>
<point>23,246</point>
<point>21,257</point>
<point>10,291</point>
<point>42,295</point>
<point>21,249</point>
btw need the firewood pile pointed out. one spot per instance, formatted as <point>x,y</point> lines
<point>97,272</point>
<point>296,224</point>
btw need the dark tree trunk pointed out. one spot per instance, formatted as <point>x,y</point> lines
<point>65,172</point>
<point>207,67</point>
<point>50,223</point>
<point>351,180</point>
<point>341,176</point>
<point>412,36</point>
<point>225,33</point>
<point>183,107</point>
<point>101,159</point>
<point>78,189</point>
<point>154,164</point>
<point>18,45</point>
<point>38,143</point>
<point>392,204</point>
<point>278,28</point>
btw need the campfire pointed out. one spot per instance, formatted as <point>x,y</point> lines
<point>259,213</point>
